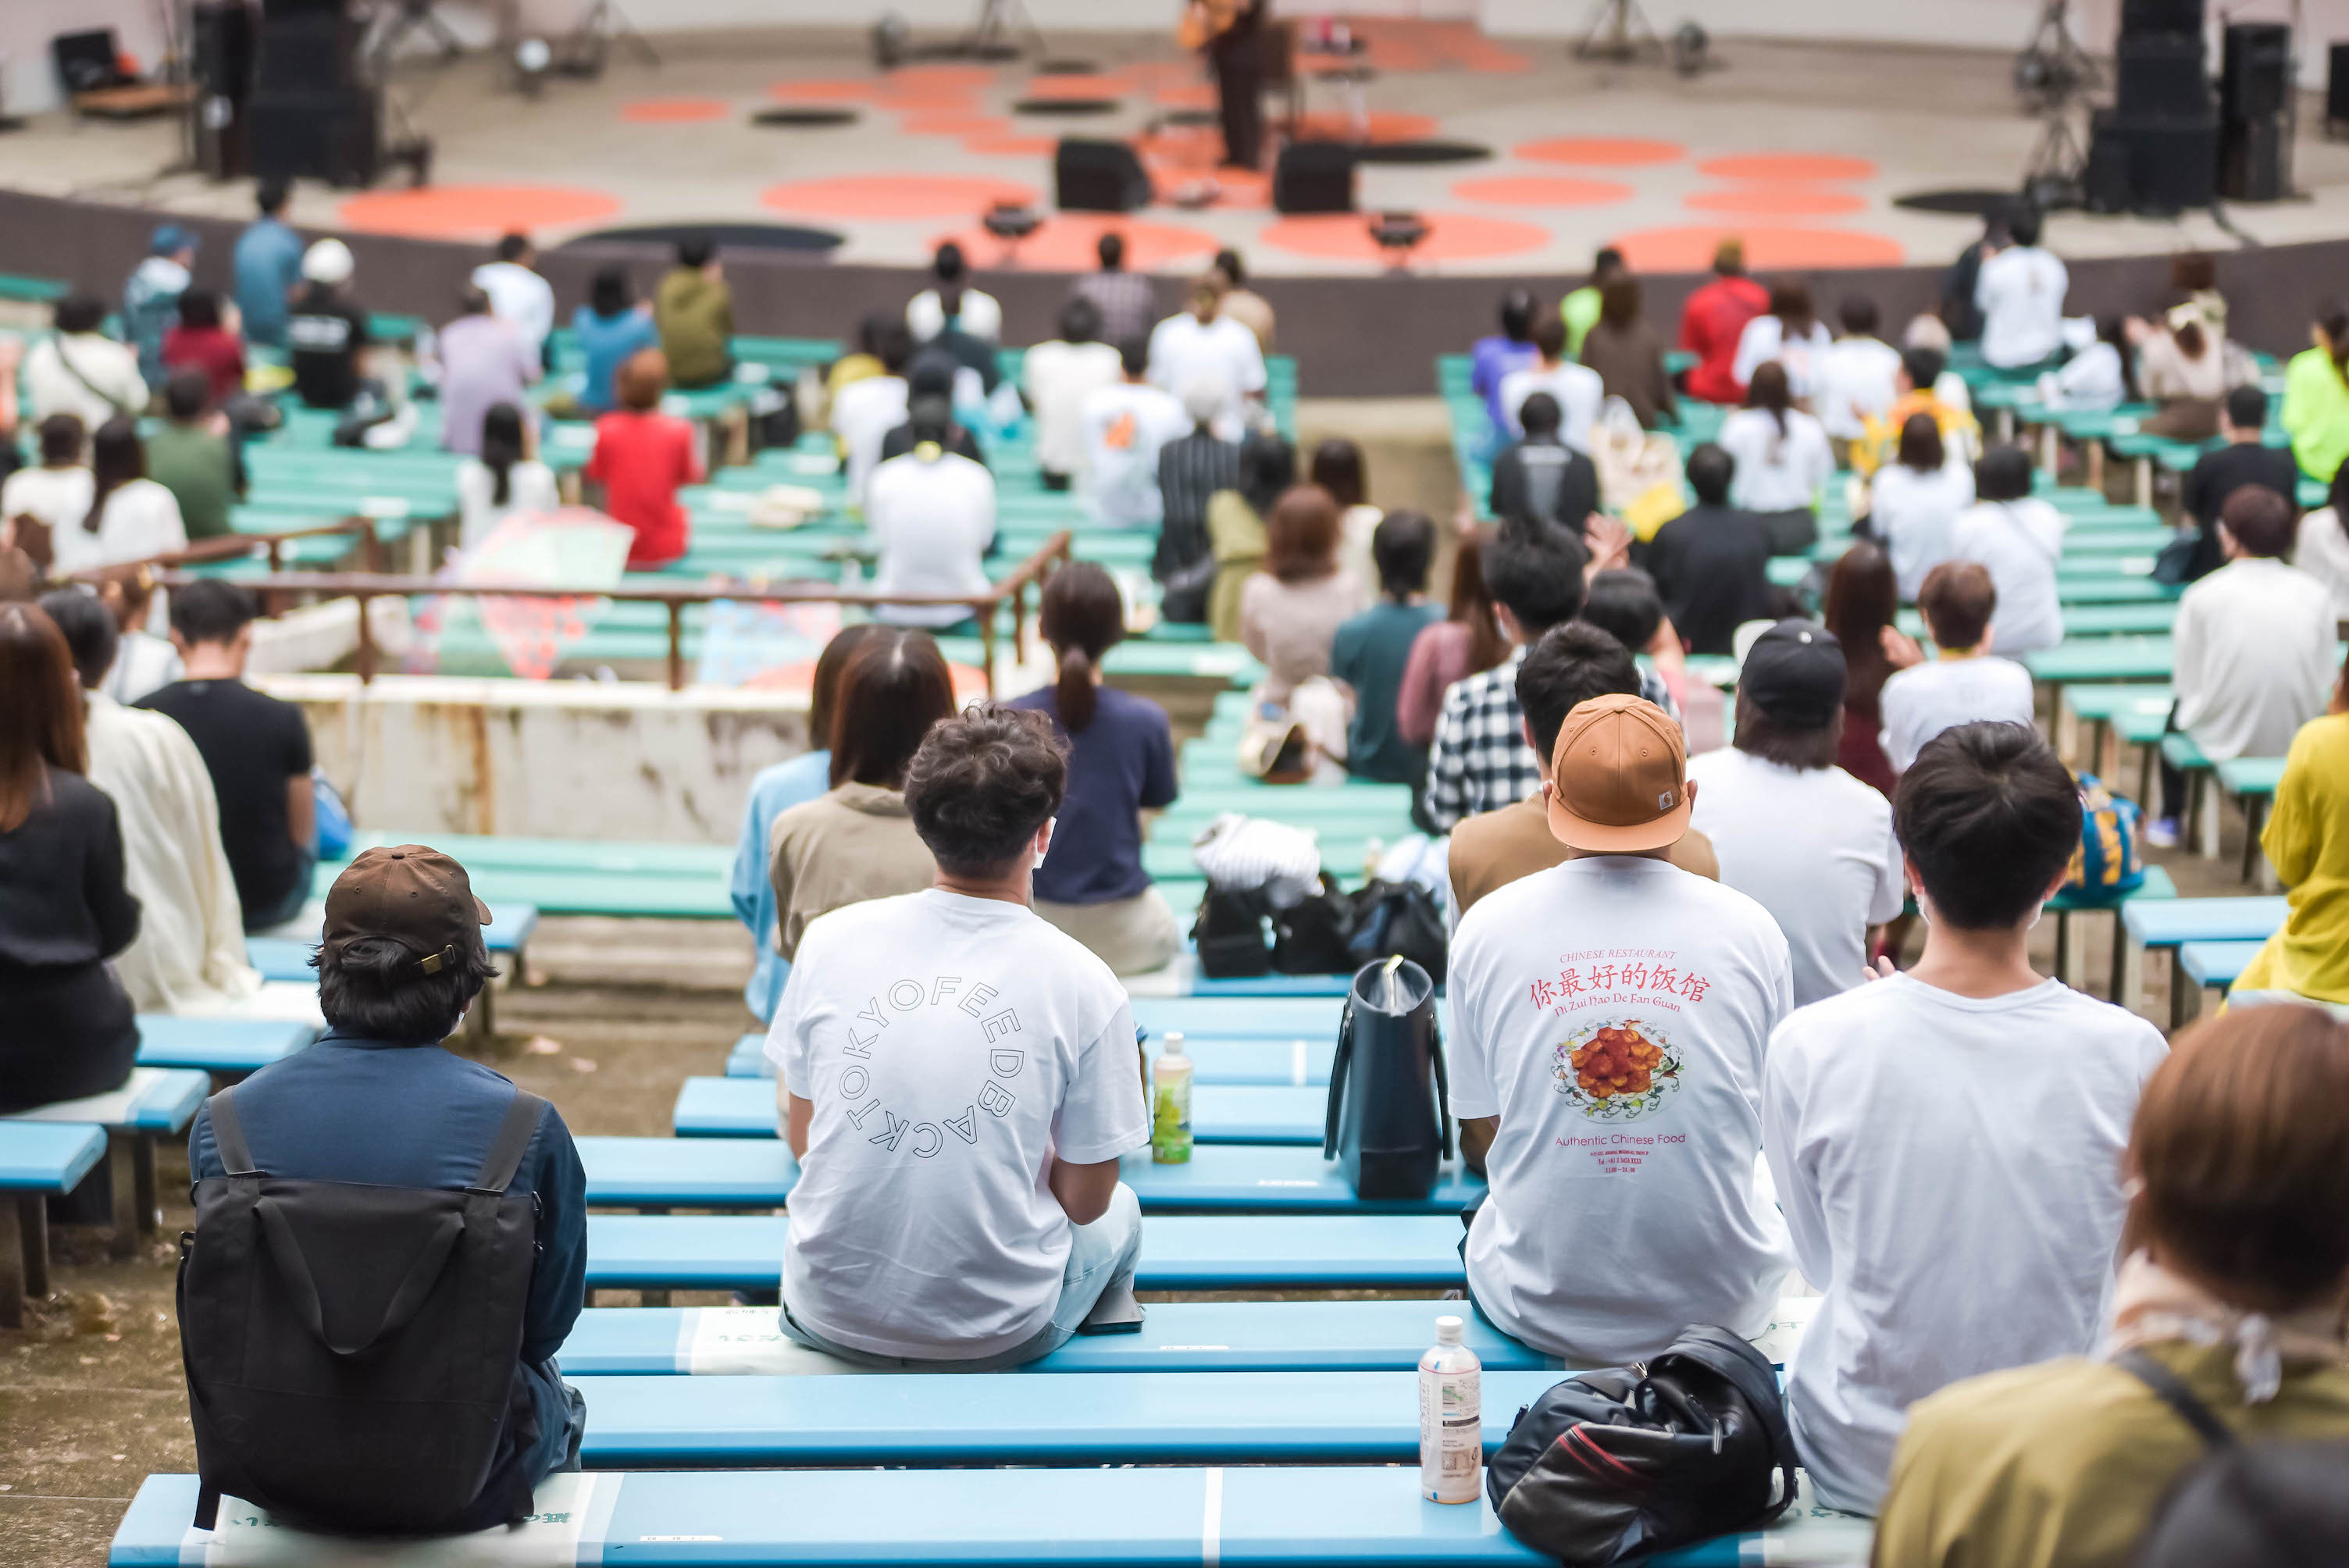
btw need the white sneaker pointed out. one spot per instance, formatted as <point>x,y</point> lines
<point>2161,832</point>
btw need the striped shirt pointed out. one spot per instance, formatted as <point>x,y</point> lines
<point>1127,302</point>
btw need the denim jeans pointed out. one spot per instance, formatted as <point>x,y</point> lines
<point>1101,1255</point>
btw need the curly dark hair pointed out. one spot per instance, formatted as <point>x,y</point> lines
<point>981,785</point>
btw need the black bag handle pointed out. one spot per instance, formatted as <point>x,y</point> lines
<point>1442,1079</point>
<point>228,1135</point>
<point>294,1269</point>
<point>2172,1391</point>
<point>509,1144</point>
<point>1338,1077</point>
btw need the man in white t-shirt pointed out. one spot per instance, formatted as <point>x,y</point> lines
<point>1056,377</point>
<point>865,411</point>
<point>518,293</point>
<point>1962,684</point>
<point>1857,376</point>
<point>1608,1017</point>
<point>959,1079</point>
<point>1202,345</point>
<point>931,511</point>
<point>1946,1142</point>
<point>1125,425</point>
<point>1577,388</point>
<point>926,314</point>
<point>2018,538</point>
<point>1809,842</point>
<point>2021,291</point>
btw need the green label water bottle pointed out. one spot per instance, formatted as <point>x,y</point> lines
<point>1170,1124</point>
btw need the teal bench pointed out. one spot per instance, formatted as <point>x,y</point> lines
<point>2251,783</point>
<point>153,1104</point>
<point>2162,925</point>
<point>2213,966</point>
<point>2071,903</point>
<point>228,1048</point>
<point>37,1158</point>
<point>1273,1114</point>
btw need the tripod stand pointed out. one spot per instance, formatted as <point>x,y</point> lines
<point>412,17</point>
<point>1618,31</point>
<point>993,34</point>
<point>590,39</point>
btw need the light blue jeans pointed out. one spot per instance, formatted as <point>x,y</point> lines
<point>1101,1255</point>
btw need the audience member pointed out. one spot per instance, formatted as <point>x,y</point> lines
<point>2181,370</point>
<point>1575,387</point>
<point>151,299</point>
<point>1056,376</point>
<point>1914,502</point>
<point>693,310</point>
<point>2315,412</point>
<point>864,361</point>
<point>37,504</point>
<point>189,954</point>
<point>1338,468</point>
<point>611,326</point>
<point>202,340</point>
<point>1858,375</point>
<point>2307,842</point>
<point>2019,538</point>
<point>1125,425</point>
<point>977,370</point>
<point>1467,642</point>
<point>1492,358</point>
<point>1622,602</point>
<point>865,411</point>
<point>1193,470</point>
<point>1628,353</point>
<point>1783,461</point>
<point>2237,1235</point>
<point>855,841</point>
<point>1571,664</point>
<point>131,517</point>
<point>2219,472</point>
<point>66,1026</point>
<point>1121,751</point>
<point>1235,525</point>
<point>1126,302</point>
<point>1859,608</point>
<point>1610,990</point>
<point>485,360</point>
<point>1240,302</point>
<point>1711,563</point>
<point>1205,342</point>
<point>1582,308</point>
<point>2254,642</point>
<point>2019,291</point>
<point>326,333</point>
<point>926,314</point>
<point>791,782</point>
<point>932,378</point>
<point>1952,1181</point>
<point>1538,479</point>
<point>2322,550</point>
<point>143,662</point>
<point>502,478</point>
<point>1714,321</point>
<point>517,294</point>
<point>1962,683</point>
<point>1920,392</point>
<point>1291,609</point>
<point>1371,650</point>
<point>256,749</point>
<point>2098,377</point>
<point>1021,1247</point>
<point>268,264</point>
<point>931,514</point>
<point>191,455</point>
<point>642,458</point>
<point>79,370</point>
<point>1789,335</point>
<point>376,1102</point>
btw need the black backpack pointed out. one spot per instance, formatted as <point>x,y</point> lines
<point>1229,931</point>
<point>350,1349</point>
<point>2277,1503</point>
<point>1310,936</point>
<point>1614,1465</point>
<point>1398,917</point>
<point>1385,1123</point>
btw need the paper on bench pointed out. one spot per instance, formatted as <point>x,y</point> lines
<point>749,1342</point>
<point>572,1512</point>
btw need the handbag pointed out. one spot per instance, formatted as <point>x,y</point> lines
<point>1228,933</point>
<point>1383,1123</point>
<point>2108,861</point>
<point>1274,748</point>
<point>1310,936</point>
<point>1403,919</point>
<point>1619,1464</point>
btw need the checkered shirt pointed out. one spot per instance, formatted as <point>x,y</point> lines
<point>1479,760</point>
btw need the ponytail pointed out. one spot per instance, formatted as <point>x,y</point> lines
<point>1081,614</point>
<point>1075,695</point>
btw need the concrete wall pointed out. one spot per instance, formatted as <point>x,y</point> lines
<point>564,759</point>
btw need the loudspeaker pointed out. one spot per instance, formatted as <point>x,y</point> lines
<point>2104,178</point>
<point>2250,159</point>
<point>2173,163</point>
<point>329,135</point>
<point>2161,74</point>
<point>1090,176</point>
<point>220,48</point>
<point>309,52</point>
<point>1314,177</point>
<point>2161,16</point>
<point>2336,87</point>
<point>2256,72</point>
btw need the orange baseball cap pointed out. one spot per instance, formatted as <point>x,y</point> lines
<point>1618,778</point>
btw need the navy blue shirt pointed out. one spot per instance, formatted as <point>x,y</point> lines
<point>394,1114</point>
<point>1124,762</point>
<point>1369,653</point>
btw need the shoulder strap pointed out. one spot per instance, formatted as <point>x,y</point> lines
<point>228,1135</point>
<point>77,372</point>
<point>2172,1391</point>
<point>2038,546</point>
<point>512,1139</point>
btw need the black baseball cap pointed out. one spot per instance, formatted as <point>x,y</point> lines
<point>1794,673</point>
<point>415,896</point>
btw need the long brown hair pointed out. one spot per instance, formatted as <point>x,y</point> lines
<point>1862,598</point>
<point>41,721</point>
<point>1082,616</point>
<point>1472,606</point>
<point>824,689</point>
<point>116,457</point>
<point>1300,535</point>
<point>896,686</point>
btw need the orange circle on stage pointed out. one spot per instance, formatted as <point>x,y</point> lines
<point>1332,125</point>
<point>474,211</point>
<point>1786,166</point>
<point>1067,242</point>
<point>1776,201</point>
<point>1451,237</point>
<point>1056,89</point>
<point>938,123</point>
<point>1601,152</point>
<point>675,110</point>
<point>894,196</point>
<point>1689,249</point>
<point>1540,190</point>
<point>1009,146</point>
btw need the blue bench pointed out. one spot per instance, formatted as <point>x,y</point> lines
<point>1267,1252</point>
<point>153,1103</point>
<point>227,1046</point>
<point>286,956</point>
<point>1323,1516</point>
<point>758,1173</point>
<point>1269,1058</point>
<point>1220,1113</point>
<point>2070,903</point>
<point>37,1158</point>
<point>2169,923</point>
<point>2210,966</point>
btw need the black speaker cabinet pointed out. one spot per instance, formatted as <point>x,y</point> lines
<point>2104,179</point>
<point>2161,74</point>
<point>2161,16</point>
<point>329,135</point>
<point>313,51</point>
<point>1098,177</point>
<point>2255,76</point>
<point>2336,87</point>
<point>2250,159</point>
<point>220,47</point>
<point>2173,163</point>
<point>1314,177</point>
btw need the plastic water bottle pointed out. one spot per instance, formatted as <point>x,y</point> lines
<point>1170,1124</point>
<point>1451,1418</point>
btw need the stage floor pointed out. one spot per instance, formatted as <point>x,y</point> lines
<point>1802,150</point>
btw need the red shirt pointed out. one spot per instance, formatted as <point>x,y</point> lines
<point>1711,324</point>
<point>641,460</point>
<point>213,350</point>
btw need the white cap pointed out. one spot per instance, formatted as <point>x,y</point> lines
<point>1174,1046</point>
<point>329,262</point>
<point>1447,1331</point>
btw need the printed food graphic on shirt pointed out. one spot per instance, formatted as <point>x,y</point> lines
<point>1618,1012</point>
<point>1617,1069</point>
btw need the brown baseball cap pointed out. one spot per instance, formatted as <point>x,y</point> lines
<point>1620,779</point>
<point>417,896</point>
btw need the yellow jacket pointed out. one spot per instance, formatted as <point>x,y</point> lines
<point>2307,841</point>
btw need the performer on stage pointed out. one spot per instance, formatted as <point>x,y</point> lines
<point>1232,32</point>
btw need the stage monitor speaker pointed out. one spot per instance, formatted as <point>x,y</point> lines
<point>329,135</point>
<point>2336,87</point>
<point>87,62</point>
<point>2173,163</point>
<point>1314,177</point>
<point>1090,176</point>
<point>2250,159</point>
<point>2161,16</point>
<point>2104,178</point>
<point>307,53</point>
<point>2257,70</point>
<point>2161,74</point>
<point>220,48</point>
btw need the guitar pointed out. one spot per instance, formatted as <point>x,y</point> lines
<point>1204,21</point>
